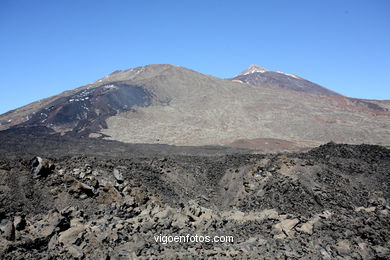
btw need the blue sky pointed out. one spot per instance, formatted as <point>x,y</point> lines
<point>47,47</point>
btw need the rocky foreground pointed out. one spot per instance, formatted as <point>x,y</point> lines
<point>332,202</point>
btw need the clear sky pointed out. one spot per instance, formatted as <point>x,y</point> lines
<point>47,47</point>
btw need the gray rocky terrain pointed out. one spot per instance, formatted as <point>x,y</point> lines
<point>332,202</point>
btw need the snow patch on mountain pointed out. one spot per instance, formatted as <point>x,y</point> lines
<point>290,75</point>
<point>253,69</point>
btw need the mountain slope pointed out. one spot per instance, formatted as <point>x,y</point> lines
<point>174,105</point>
<point>258,76</point>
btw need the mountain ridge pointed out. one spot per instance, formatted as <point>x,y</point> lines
<point>261,77</point>
<point>167,104</point>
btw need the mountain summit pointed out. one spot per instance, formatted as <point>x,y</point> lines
<point>261,77</point>
<point>253,69</point>
<point>169,104</point>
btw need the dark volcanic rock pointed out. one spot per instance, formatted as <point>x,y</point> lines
<point>41,167</point>
<point>330,203</point>
<point>86,111</point>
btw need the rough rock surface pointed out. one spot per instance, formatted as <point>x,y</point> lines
<point>332,202</point>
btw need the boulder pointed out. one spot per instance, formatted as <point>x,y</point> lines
<point>117,175</point>
<point>41,167</point>
<point>9,231</point>
<point>75,251</point>
<point>343,247</point>
<point>364,250</point>
<point>19,223</point>
<point>308,226</point>
<point>46,227</point>
<point>286,226</point>
<point>109,195</point>
<point>82,188</point>
<point>70,235</point>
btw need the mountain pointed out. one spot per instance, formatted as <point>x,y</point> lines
<point>87,174</point>
<point>258,76</point>
<point>166,104</point>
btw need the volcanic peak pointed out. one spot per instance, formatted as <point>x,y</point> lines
<point>253,69</point>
